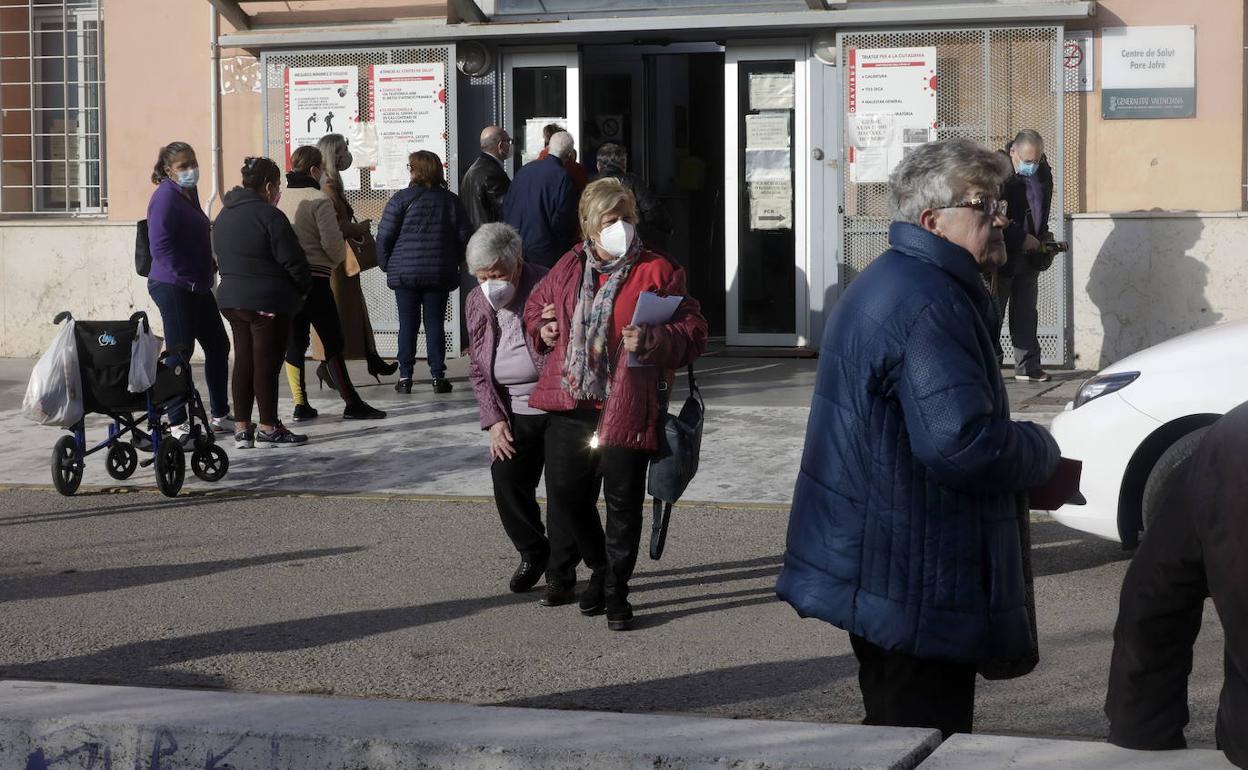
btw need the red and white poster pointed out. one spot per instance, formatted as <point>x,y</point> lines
<point>892,108</point>
<point>408,106</point>
<point>319,101</point>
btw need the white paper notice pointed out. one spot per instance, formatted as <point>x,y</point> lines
<point>408,105</point>
<point>771,205</point>
<point>871,129</point>
<point>319,101</point>
<point>534,142</point>
<point>351,178</point>
<point>652,310</point>
<point>768,164</point>
<point>771,91</point>
<point>768,130</point>
<point>868,165</point>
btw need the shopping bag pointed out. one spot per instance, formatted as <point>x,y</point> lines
<point>54,393</point>
<point>144,354</point>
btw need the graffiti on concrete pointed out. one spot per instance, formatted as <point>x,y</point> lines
<point>92,756</point>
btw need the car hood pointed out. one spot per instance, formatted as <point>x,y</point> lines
<point>1216,348</point>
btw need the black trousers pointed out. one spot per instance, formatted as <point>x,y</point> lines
<point>515,486</point>
<point>903,691</point>
<point>574,473</point>
<point>320,312</point>
<point>1017,298</point>
<point>258,343</point>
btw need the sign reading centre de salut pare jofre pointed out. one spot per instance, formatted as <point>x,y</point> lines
<point>1148,72</point>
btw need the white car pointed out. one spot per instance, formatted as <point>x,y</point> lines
<point>1136,420</point>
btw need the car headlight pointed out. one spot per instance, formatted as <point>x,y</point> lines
<point>1103,384</point>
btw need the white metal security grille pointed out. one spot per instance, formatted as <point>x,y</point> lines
<point>51,108</point>
<point>368,203</point>
<point>992,82</point>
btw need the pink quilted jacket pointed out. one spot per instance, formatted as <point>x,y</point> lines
<point>631,415</point>
<point>492,399</point>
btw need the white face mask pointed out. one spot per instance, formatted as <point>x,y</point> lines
<point>498,292</point>
<point>616,237</point>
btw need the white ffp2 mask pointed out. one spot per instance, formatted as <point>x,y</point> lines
<point>498,292</point>
<point>616,237</point>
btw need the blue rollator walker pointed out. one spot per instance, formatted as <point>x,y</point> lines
<point>104,363</point>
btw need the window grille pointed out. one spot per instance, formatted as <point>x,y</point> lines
<point>51,108</point>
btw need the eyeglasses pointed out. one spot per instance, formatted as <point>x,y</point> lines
<point>990,206</point>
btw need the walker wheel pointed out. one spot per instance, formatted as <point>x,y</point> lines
<point>66,466</point>
<point>121,460</point>
<point>170,467</point>
<point>210,463</point>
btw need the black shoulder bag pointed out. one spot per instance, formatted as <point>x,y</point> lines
<point>676,461</point>
<point>142,250</point>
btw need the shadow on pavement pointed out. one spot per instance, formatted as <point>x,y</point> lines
<point>73,583</point>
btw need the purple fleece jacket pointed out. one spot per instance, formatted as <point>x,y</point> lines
<point>181,239</point>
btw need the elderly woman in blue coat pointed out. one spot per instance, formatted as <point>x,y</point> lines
<point>908,523</point>
<point>420,245</point>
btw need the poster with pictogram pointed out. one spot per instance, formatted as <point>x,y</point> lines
<point>407,103</point>
<point>319,101</point>
<point>1077,61</point>
<point>892,108</point>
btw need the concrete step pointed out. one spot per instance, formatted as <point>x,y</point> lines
<point>992,752</point>
<point>51,726</point>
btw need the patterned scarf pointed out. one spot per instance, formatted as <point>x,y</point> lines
<point>587,364</point>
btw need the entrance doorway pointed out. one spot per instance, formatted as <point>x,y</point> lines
<point>665,106</point>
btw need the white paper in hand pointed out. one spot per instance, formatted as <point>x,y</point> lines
<point>652,310</point>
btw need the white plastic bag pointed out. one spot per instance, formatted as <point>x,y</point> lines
<point>54,394</point>
<point>144,354</point>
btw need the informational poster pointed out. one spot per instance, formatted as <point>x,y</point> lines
<point>1148,72</point>
<point>771,204</point>
<point>534,142</point>
<point>1077,61</point>
<point>892,108</point>
<point>767,130</point>
<point>769,169</point>
<point>319,101</point>
<point>771,91</point>
<point>408,107</point>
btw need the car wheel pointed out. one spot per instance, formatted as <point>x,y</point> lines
<point>1164,472</point>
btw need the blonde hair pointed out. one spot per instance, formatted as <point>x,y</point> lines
<point>603,196</point>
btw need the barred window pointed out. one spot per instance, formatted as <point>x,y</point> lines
<point>51,108</point>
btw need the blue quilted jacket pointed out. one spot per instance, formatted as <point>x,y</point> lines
<point>421,239</point>
<point>905,521</point>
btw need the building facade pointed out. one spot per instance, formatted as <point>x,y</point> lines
<point>766,128</point>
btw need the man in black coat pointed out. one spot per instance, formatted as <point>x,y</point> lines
<point>485,185</point>
<point>655,225</point>
<point>1029,193</point>
<point>1197,548</point>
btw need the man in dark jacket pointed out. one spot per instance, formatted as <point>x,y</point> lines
<point>907,522</point>
<point>485,185</point>
<point>541,204</point>
<point>1029,194</point>
<point>1197,548</point>
<point>655,225</point>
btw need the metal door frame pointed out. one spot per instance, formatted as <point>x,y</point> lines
<point>568,57</point>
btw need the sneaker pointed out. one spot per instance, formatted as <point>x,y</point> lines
<point>245,439</point>
<point>181,433</point>
<point>279,436</point>
<point>1038,375</point>
<point>361,411</point>
<point>441,385</point>
<point>222,425</point>
<point>304,412</point>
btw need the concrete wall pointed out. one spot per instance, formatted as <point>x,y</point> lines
<point>45,268</point>
<point>1142,278</point>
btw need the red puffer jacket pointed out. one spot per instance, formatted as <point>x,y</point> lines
<point>631,414</point>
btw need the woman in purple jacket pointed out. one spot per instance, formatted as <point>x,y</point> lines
<point>180,281</point>
<point>503,369</point>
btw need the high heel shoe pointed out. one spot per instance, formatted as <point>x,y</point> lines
<point>378,366</point>
<point>325,377</point>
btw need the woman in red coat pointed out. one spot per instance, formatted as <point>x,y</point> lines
<point>603,413</point>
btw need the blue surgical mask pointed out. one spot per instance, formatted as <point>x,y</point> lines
<point>1028,168</point>
<point>188,178</point>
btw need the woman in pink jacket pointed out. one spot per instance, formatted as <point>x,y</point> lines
<point>603,413</point>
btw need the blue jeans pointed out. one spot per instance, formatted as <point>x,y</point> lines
<point>412,302</point>
<point>190,316</point>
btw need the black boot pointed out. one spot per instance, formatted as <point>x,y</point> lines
<point>358,410</point>
<point>619,611</point>
<point>378,366</point>
<point>593,598</point>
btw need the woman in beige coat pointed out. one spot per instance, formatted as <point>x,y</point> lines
<point>357,329</point>
<point>315,221</point>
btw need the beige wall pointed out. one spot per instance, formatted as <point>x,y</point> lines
<point>1181,164</point>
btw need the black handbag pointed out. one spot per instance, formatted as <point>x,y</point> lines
<point>676,461</point>
<point>142,250</point>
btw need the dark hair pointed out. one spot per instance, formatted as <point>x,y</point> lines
<point>612,155</point>
<point>426,168</point>
<point>305,158</point>
<point>549,130</point>
<point>166,157</point>
<point>259,171</point>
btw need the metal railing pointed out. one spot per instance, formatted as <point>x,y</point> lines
<point>51,108</point>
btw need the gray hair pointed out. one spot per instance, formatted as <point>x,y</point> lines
<point>561,145</point>
<point>939,174</point>
<point>612,155</point>
<point>1031,138</point>
<point>494,245</point>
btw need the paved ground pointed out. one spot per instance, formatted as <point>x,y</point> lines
<point>404,598</point>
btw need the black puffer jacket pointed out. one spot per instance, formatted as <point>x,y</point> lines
<point>262,265</point>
